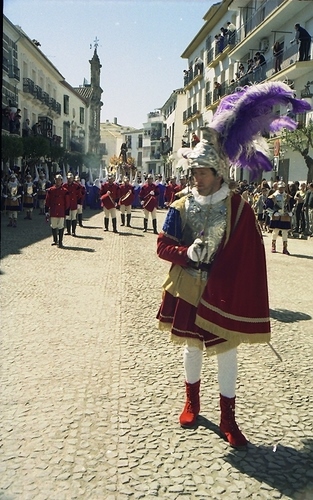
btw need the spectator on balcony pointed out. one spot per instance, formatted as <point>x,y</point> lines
<point>217,90</point>
<point>198,66</point>
<point>186,77</point>
<point>26,128</point>
<point>260,67</point>
<point>224,33</point>
<point>231,33</point>
<point>303,38</point>
<point>219,44</point>
<point>36,128</point>
<point>278,56</point>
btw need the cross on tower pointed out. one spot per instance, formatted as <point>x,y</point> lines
<point>96,40</point>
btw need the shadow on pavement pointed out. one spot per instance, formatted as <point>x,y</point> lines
<point>280,467</point>
<point>81,237</point>
<point>299,256</point>
<point>77,249</point>
<point>285,316</point>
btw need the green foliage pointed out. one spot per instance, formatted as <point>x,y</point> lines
<point>36,147</point>
<point>73,158</point>
<point>12,147</point>
<point>300,139</point>
<point>92,160</point>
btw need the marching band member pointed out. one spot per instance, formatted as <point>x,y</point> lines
<point>29,192</point>
<point>42,184</point>
<point>277,205</point>
<point>170,192</point>
<point>13,194</point>
<point>148,195</point>
<point>57,206</point>
<point>80,201</point>
<point>109,192</point>
<point>126,200</point>
<point>75,195</point>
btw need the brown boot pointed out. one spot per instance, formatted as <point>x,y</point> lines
<point>192,406</point>
<point>285,251</point>
<point>228,426</point>
<point>274,246</point>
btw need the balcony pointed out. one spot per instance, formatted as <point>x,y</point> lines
<point>14,72</point>
<point>45,98</point>
<point>28,86</point>
<point>37,92</point>
<point>191,114</point>
<point>192,76</point>
<point>5,64</point>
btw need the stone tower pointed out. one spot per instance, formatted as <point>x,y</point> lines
<point>95,102</point>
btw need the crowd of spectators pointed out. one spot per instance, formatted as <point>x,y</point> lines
<point>300,204</point>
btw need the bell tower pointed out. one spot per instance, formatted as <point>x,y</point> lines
<point>95,102</point>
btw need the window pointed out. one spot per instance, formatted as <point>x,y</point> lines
<point>66,104</point>
<point>81,115</point>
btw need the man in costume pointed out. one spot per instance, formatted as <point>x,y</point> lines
<point>277,205</point>
<point>42,184</point>
<point>57,206</point>
<point>80,201</point>
<point>207,236</point>
<point>148,195</point>
<point>12,193</point>
<point>29,193</point>
<point>74,191</point>
<point>126,199</point>
<point>109,192</point>
<point>171,189</point>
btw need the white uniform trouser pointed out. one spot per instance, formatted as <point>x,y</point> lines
<point>227,369</point>
<point>153,213</point>
<point>72,215</point>
<point>108,213</point>
<point>57,222</point>
<point>125,208</point>
<point>284,234</point>
<point>79,209</point>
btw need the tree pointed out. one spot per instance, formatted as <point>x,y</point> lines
<point>12,148</point>
<point>35,148</point>
<point>301,140</point>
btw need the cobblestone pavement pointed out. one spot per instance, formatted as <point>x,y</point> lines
<point>91,391</point>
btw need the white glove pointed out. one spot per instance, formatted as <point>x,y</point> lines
<point>152,193</point>
<point>290,214</point>
<point>196,251</point>
<point>5,196</point>
<point>141,202</point>
<point>276,214</point>
<point>14,198</point>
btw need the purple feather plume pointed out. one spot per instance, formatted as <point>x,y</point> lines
<point>243,117</point>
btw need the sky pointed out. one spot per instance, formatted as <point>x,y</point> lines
<point>140,43</point>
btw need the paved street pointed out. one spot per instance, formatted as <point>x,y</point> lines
<point>91,390</point>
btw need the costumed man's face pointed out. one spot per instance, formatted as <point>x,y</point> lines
<point>150,181</point>
<point>58,182</point>
<point>206,181</point>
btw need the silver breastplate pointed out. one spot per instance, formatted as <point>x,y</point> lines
<point>207,222</point>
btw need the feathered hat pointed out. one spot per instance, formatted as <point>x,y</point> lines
<point>235,134</point>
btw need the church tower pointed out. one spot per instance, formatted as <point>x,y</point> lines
<point>95,102</point>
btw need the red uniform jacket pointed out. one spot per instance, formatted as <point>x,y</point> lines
<point>124,190</point>
<point>170,192</point>
<point>57,201</point>
<point>113,188</point>
<point>75,194</point>
<point>146,197</point>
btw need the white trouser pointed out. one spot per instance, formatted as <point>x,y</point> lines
<point>153,213</point>
<point>72,215</point>
<point>79,209</point>
<point>111,212</point>
<point>57,222</point>
<point>125,208</point>
<point>284,234</point>
<point>227,369</point>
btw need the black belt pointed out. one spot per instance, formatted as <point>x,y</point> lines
<point>201,266</point>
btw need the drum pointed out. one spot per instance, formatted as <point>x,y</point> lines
<point>107,201</point>
<point>150,203</point>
